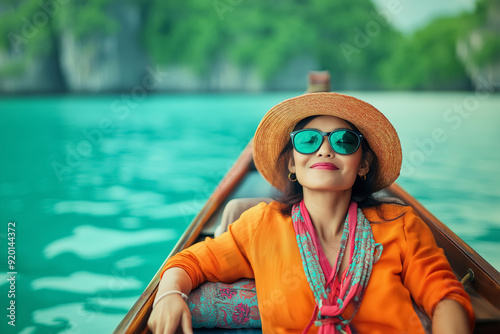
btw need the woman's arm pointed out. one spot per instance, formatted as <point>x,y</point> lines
<point>450,317</point>
<point>429,277</point>
<point>223,259</point>
<point>172,310</point>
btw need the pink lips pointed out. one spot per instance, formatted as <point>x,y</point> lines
<point>324,165</point>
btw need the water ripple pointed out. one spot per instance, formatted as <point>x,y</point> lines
<point>85,282</point>
<point>90,242</point>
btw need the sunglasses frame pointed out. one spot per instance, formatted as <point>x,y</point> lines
<point>359,135</point>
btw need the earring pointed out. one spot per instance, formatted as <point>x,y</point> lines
<point>290,177</point>
<point>363,177</point>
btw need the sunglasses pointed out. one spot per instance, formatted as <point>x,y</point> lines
<point>342,141</point>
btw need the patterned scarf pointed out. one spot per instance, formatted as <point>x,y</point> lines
<point>332,297</point>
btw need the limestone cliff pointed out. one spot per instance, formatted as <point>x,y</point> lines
<point>105,62</point>
<point>483,68</point>
<point>117,61</point>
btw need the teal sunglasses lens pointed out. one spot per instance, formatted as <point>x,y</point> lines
<point>307,142</point>
<point>344,142</point>
<point>341,141</point>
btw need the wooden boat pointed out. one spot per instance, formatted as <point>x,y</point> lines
<point>480,279</point>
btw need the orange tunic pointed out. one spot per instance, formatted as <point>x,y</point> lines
<point>262,245</point>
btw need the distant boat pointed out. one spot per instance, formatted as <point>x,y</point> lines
<point>319,81</point>
<point>480,279</point>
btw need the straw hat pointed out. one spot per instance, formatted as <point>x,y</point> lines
<point>274,130</point>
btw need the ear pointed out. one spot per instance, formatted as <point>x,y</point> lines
<point>364,167</point>
<point>291,165</point>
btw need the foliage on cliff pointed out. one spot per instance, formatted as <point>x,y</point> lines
<point>266,35</point>
<point>31,29</point>
<point>31,25</point>
<point>428,59</point>
<point>352,39</point>
<point>487,21</point>
<point>19,35</point>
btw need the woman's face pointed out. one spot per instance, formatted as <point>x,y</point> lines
<point>324,169</point>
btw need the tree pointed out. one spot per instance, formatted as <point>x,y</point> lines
<point>428,59</point>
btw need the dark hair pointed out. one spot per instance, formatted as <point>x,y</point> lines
<point>362,191</point>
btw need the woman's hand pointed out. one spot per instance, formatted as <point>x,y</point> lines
<point>450,317</point>
<point>171,311</point>
<point>169,314</point>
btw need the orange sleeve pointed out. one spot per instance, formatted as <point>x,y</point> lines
<point>426,271</point>
<point>222,259</point>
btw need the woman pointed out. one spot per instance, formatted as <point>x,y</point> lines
<point>328,257</point>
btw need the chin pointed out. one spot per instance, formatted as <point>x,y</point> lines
<point>327,188</point>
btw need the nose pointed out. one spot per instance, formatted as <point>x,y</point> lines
<point>325,150</point>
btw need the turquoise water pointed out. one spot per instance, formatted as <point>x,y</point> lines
<point>101,188</point>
